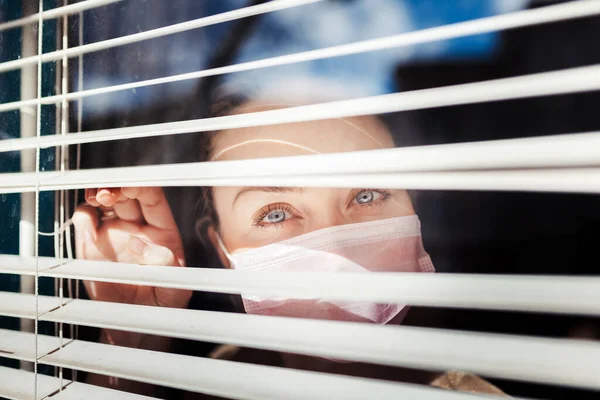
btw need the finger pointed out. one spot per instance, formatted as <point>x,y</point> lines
<point>147,253</point>
<point>108,197</point>
<point>154,205</point>
<point>90,197</point>
<point>128,210</point>
<point>85,219</point>
<point>175,298</point>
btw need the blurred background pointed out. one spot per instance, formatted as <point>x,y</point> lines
<point>476,232</point>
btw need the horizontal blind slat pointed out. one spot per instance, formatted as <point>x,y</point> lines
<point>565,180</point>
<point>18,345</point>
<point>21,305</point>
<point>82,391</point>
<point>270,6</point>
<point>18,265</point>
<point>552,294</point>
<point>231,379</point>
<point>569,150</point>
<point>56,13</point>
<point>566,81</point>
<point>551,13</point>
<point>17,384</point>
<point>566,150</point>
<point>502,356</point>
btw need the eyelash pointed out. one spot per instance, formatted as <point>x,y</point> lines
<point>263,212</point>
<point>385,195</point>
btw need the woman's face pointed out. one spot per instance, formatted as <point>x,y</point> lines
<point>256,216</point>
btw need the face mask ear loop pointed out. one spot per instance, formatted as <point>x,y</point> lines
<point>223,248</point>
<point>402,206</point>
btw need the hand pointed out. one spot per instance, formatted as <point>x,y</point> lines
<point>144,232</point>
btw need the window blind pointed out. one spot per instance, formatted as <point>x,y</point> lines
<point>561,163</point>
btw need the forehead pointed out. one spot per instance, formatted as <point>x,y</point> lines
<point>327,136</point>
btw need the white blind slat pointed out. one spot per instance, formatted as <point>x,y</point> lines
<point>21,345</point>
<point>542,360</point>
<point>268,7</point>
<point>13,264</point>
<point>551,13</point>
<point>572,80</point>
<point>570,150</point>
<point>80,391</point>
<point>56,13</point>
<point>567,180</point>
<point>18,384</point>
<point>553,294</point>
<point>231,379</point>
<point>567,150</point>
<point>21,305</point>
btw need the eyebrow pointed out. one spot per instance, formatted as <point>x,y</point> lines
<point>266,189</point>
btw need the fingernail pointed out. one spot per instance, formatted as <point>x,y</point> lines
<point>105,193</point>
<point>89,236</point>
<point>136,245</point>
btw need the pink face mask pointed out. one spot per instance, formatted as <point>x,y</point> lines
<point>388,245</point>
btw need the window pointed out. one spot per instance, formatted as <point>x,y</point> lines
<point>212,167</point>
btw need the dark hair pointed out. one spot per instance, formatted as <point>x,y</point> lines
<point>206,214</point>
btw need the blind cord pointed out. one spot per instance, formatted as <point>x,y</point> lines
<point>64,122</point>
<point>78,151</point>
<point>37,194</point>
<point>56,13</point>
<point>57,160</point>
<point>66,225</point>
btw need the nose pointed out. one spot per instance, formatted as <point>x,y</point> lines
<point>327,219</point>
<point>326,208</point>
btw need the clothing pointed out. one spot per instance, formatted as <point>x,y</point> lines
<point>417,316</point>
<point>464,382</point>
<point>456,381</point>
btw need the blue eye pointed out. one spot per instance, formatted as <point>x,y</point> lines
<point>366,196</point>
<point>276,216</point>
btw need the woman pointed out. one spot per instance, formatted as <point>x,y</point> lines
<point>263,227</point>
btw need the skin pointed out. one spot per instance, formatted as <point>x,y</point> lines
<point>247,215</point>
<point>145,231</point>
